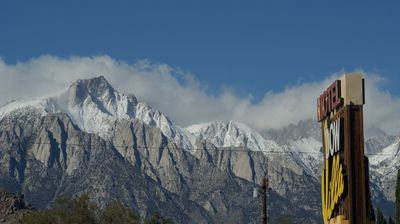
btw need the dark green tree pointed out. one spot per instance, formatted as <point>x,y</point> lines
<point>66,211</point>
<point>397,218</point>
<point>79,210</point>
<point>116,213</point>
<point>157,218</point>
<point>45,217</point>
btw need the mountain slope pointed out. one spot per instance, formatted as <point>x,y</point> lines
<point>50,157</point>
<point>231,134</point>
<point>299,146</point>
<point>384,167</point>
<point>91,138</point>
<point>248,155</point>
<point>95,107</point>
<point>51,146</point>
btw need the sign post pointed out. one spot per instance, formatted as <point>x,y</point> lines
<point>344,177</point>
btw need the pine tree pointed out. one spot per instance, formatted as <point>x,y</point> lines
<point>397,219</point>
<point>157,218</point>
<point>78,210</point>
<point>116,213</point>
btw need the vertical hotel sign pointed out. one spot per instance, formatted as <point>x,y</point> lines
<point>344,177</point>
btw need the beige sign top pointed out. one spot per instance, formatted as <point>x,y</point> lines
<point>348,90</point>
<point>352,89</point>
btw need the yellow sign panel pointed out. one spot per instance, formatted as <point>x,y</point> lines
<point>332,179</point>
<point>332,187</point>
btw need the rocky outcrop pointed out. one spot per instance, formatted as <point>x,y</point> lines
<point>46,156</point>
<point>190,173</point>
<point>13,207</point>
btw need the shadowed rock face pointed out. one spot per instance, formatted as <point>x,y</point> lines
<point>50,156</point>
<point>45,156</point>
<point>93,139</point>
<point>12,207</point>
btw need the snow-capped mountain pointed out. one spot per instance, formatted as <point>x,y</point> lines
<point>384,165</point>
<point>387,154</point>
<point>303,142</point>
<point>90,138</point>
<point>376,143</point>
<point>304,149</point>
<point>308,151</point>
<point>291,157</point>
<point>95,107</point>
<point>232,134</point>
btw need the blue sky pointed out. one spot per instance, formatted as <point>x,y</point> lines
<point>251,46</point>
<point>262,63</point>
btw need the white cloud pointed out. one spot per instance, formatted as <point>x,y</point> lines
<point>181,96</point>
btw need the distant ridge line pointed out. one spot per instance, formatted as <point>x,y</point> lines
<point>191,149</point>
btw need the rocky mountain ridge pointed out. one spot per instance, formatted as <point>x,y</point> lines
<point>44,152</point>
<point>95,107</point>
<point>90,138</point>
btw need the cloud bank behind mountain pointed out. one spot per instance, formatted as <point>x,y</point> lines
<point>186,100</point>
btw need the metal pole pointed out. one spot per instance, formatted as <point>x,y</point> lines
<point>264,187</point>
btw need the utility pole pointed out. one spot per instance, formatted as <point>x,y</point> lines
<point>264,188</point>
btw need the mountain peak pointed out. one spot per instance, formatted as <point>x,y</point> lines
<point>95,80</point>
<point>97,87</point>
<point>231,134</point>
<point>96,107</point>
<point>301,130</point>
